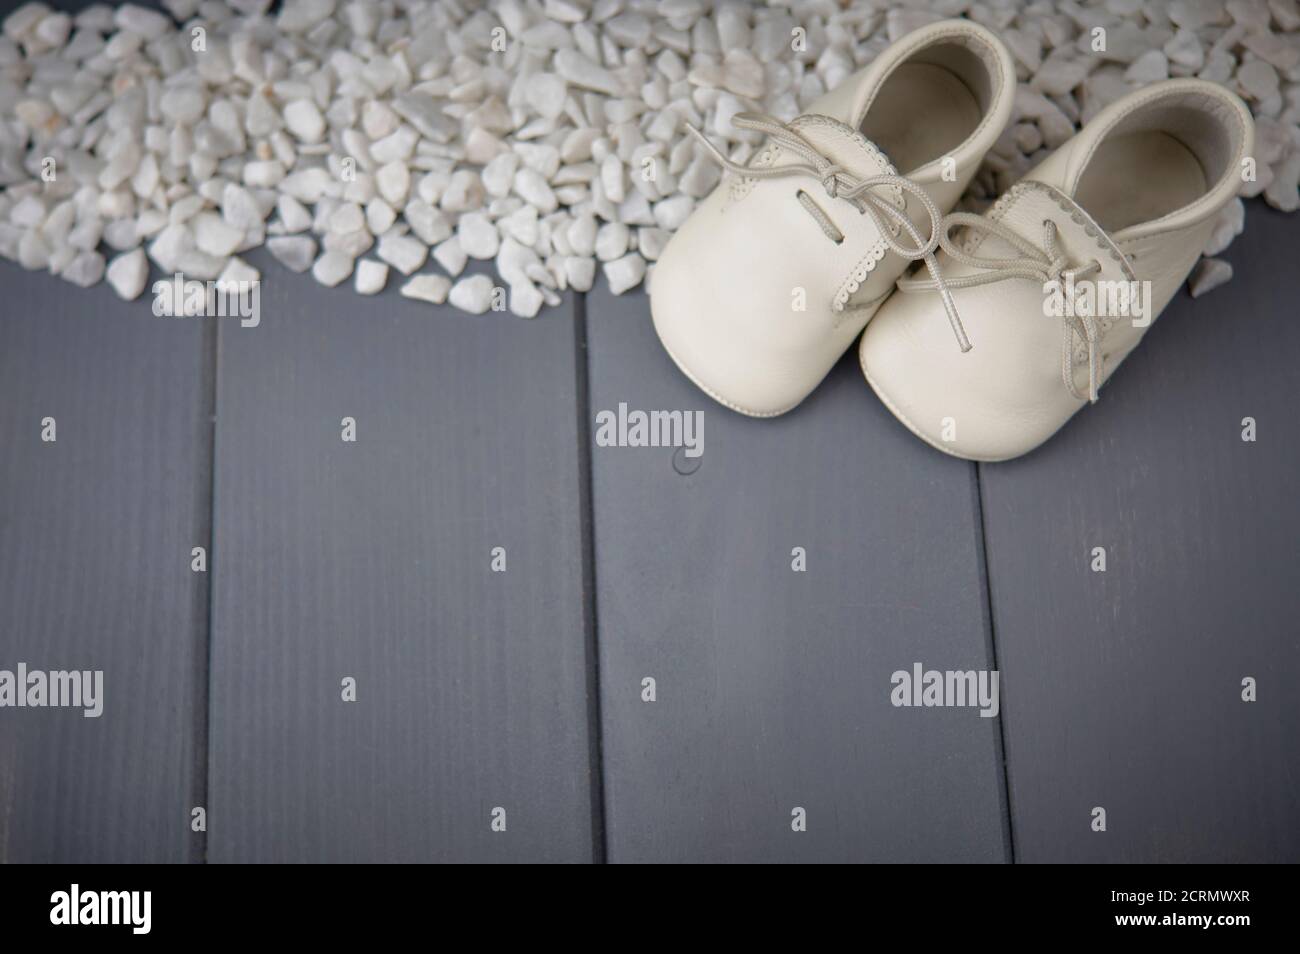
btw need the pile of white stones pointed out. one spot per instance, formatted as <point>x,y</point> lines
<point>352,138</point>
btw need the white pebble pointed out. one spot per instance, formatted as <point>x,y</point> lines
<point>149,24</point>
<point>580,272</point>
<point>348,217</point>
<point>170,245</point>
<point>1208,275</point>
<point>371,277</point>
<point>183,104</point>
<point>624,273</point>
<point>33,253</point>
<point>28,212</point>
<point>612,178</point>
<point>240,209</point>
<point>525,299</point>
<point>396,147</point>
<point>53,30</point>
<point>451,256</point>
<point>215,236</point>
<point>546,93</point>
<point>544,159</point>
<point>499,174</point>
<point>672,212</point>
<point>331,268</point>
<point>515,260</point>
<point>533,189</point>
<point>121,235</point>
<point>304,120</point>
<point>293,215</point>
<point>522,224</point>
<point>85,270</point>
<point>478,236</point>
<point>428,223</point>
<point>430,288</point>
<point>611,241</point>
<point>464,192</point>
<point>1148,68</point>
<point>582,235</point>
<point>295,252</point>
<point>472,294</point>
<point>580,71</point>
<point>264,175</point>
<point>394,182</point>
<point>378,119</point>
<point>127,274</point>
<point>651,242</point>
<point>402,252</point>
<point>379,216</point>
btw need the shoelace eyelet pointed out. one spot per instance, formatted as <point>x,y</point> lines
<point>817,165</point>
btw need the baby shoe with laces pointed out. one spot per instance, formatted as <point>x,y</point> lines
<point>776,272</point>
<point>1057,283</point>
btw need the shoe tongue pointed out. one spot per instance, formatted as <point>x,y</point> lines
<point>843,145</point>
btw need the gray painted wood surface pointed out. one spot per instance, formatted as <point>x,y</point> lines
<point>1123,689</point>
<point>371,560</point>
<point>96,530</point>
<point>477,690</point>
<point>773,686</point>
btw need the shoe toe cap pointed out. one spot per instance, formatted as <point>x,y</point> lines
<point>968,404</point>
<point>745,317</point>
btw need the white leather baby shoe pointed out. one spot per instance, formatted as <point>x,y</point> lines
<point>1056,284</point>
<point>776,272</point>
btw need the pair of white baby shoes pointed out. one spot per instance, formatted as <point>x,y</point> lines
<point>1017,317</point>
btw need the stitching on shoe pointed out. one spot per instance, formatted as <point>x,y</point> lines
<point>870,148</point>
<point>1103,241</point>
<point>858,276</point>
<point>876,252</point>
<point>829,122</point>
<point>741,187</point>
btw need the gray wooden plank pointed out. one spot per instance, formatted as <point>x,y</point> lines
<point>773,687</point>
<point>95,536</point>
<point>1123,688</point>
<point>371,560</point>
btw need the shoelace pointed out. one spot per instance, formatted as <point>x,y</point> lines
<point>1048,264</point>
<point>840,183</point>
